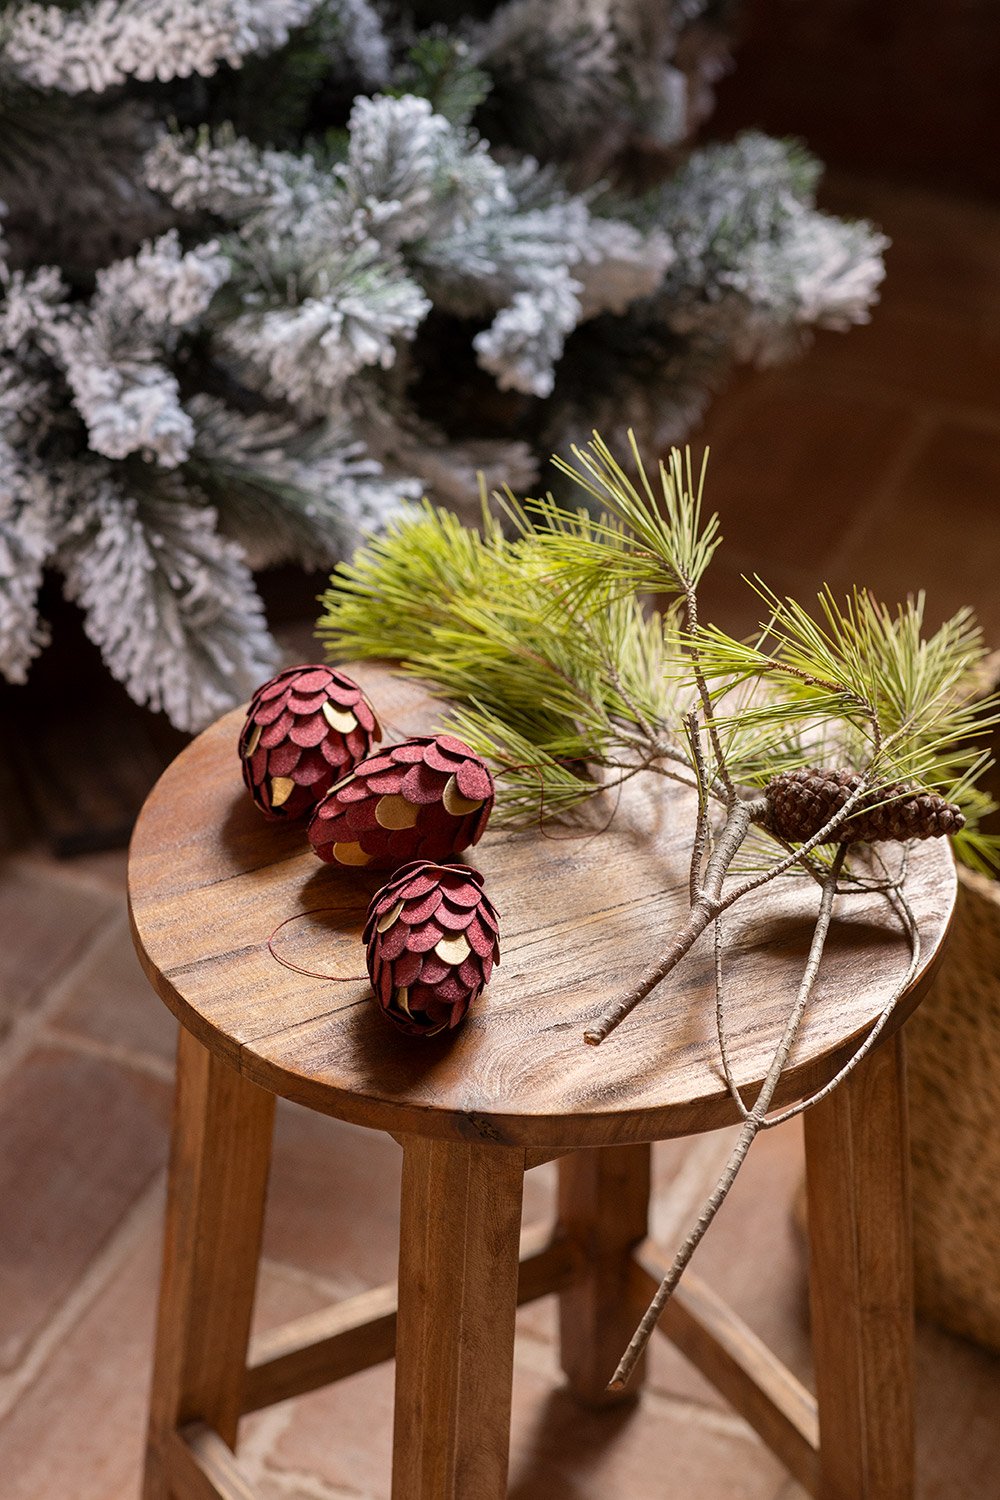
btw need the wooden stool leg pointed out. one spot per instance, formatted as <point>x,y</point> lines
<point>861,1284</point>
<point>603,1207</point>
<point>458,1270</point>
<point>215,1208</point>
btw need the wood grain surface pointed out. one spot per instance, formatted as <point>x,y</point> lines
<point>459,1233</point>
<point>604,1213</point>
<point>861,1281</point>
<point>581,918</point>
<point>215,1214</point>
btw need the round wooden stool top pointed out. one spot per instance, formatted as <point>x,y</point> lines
<point>582,917</point>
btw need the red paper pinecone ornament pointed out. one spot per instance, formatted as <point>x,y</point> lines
<point>303,730</point>
<point>426,798</point>
<point>433,939</point>
<point>801,802</point>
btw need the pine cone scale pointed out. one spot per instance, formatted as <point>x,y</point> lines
<point>362,817</point>
<point>310,705</point>
<point>277,730</point>
<point>309,732</point>
<point>267,711</point>
<point>284,759</point>
<point>433,970</point>
<point>366,718</point>
<point>444,756</point>
<point>418,909</point>
<point>393,943</point>
<point>312,681</point>
<point>409,753</point>
<point>310,769</point>
<point>479,937</point>
<point>422,783</point>
<point>456,920</point>
<point>474,782</point>
<point>422,885</point>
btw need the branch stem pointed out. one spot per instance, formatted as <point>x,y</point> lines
<point>704,909</point>
<point>702,828</point>
<point>707,707</point>
<point>711,903</point>
<point>795,856</point>
<point>908,921</point>
<point>747,1135</point>
<point>720,1022</point>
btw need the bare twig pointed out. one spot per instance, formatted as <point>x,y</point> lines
<point>748,1134</point>
<point>702,827</point>
<point>892,889</point>
<point>638,716</point>
<point>633,768</point>
<point>794,856</point>
<point>707,707</point>
<point>800,858</point>
<point>710,902</point>
<point>720,1023</point>
<point>704,909</point>
<point>908,920</point>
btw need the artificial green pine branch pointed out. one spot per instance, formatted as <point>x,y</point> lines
<point>551,694</point>
<point>535,629</point>
<point>848,727</point>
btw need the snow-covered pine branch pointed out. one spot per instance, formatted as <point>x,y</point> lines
<point>228,177</point>
<point>26,543</point>
<point>101,44</point>
<point>349,306</point>
<point>579,80</point>
<point>285,493</point>
<point>757,263</point>
<point>257,248</point>
<point>170,603</point>
<point>113,350</point>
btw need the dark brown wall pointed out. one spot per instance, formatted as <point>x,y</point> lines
<point>905,88</point>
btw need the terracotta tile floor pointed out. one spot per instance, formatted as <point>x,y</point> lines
<point>876,459</point>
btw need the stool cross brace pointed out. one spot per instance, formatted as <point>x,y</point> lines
<point>465,1264</point>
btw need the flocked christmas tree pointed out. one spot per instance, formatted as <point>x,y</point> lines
<point>272,268</point>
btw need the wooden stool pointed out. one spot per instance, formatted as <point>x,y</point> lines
<point>209,880</point>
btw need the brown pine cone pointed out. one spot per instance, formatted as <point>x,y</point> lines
<point>303,730</point>
<point>801,802</point>
<point>426,798</point>
<point>433,939</point>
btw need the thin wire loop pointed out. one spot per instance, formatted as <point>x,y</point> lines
<point>584,836</point>
<point>288,963</point>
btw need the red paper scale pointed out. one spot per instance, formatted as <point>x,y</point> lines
<point>303,730</point>
<point>433,939</point>
<point>426,798</point>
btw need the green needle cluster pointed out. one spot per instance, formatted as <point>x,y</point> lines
<point>536,629</point>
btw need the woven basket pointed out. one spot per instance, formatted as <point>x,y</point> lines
<point>953,1054</point>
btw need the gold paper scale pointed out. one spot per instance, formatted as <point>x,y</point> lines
<point>395,812</point>
<point>339,719</point>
